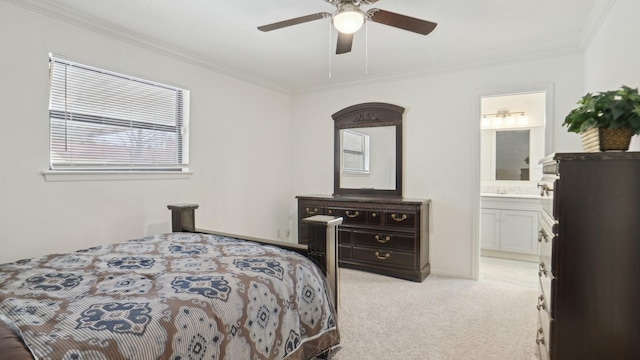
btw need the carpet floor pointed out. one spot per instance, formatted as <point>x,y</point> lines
<point>442,318</point>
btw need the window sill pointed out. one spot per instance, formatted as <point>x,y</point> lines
<point>113,175</point>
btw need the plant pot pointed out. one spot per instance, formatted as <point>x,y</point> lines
<point>603,139</point>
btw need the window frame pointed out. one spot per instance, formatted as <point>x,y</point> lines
<point>363,153</point>
<point>177,165</point>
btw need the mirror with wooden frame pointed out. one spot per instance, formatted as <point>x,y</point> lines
<point>368,150</point>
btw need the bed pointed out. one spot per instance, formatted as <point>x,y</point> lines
<point>188,294</point>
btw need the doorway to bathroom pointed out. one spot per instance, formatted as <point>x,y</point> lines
<point>512,142</point>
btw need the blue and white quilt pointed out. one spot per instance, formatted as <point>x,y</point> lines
<point>175,296</point>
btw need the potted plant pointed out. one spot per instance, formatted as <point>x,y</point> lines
<point>606,120</point>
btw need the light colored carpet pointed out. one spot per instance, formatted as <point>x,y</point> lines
<point>442,318</point>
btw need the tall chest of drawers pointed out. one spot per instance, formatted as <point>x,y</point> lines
<point>589,303</point>
<point>384,235</point>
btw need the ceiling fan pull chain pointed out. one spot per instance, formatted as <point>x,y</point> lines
<point>330,26</point>
<point>366,48</point>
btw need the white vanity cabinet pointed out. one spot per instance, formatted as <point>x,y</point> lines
<point>510,224</point>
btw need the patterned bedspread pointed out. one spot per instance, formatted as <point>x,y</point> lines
<point>175,296</point>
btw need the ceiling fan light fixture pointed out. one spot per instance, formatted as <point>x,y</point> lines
<point>348,19</point>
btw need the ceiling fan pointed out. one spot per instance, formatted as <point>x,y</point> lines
<point>349,18</point>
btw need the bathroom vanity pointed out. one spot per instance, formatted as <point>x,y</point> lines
<point>509,225</point>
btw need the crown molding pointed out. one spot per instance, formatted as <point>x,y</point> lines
<point>450,68</point>
<point>597,16</point>
<point>81,20</point>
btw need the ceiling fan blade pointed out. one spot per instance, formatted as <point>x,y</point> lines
<point>294,21</point>
<point>338,2</point>
<point>399,21</point>
<point>344,43</point>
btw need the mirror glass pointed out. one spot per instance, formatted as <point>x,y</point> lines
<point>512,155</point>
<point>368,158</point>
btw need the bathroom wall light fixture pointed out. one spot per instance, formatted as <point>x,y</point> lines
<point>504,119</point>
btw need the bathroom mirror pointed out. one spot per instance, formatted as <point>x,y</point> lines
<point>368,150</point>
<point>512,155</point>
<point>512,138</point>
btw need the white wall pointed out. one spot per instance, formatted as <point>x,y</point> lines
<point>441,141</point>
<point>239,148</point>
<point>612,57</point>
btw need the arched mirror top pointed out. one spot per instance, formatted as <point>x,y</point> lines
<point>368,150</point>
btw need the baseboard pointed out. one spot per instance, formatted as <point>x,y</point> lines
<point>510,255</point>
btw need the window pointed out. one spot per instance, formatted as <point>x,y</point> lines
<point>355,152</point>
<point>101,120</point>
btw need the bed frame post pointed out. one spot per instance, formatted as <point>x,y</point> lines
<point>183,217</point>
<point>323,245</point>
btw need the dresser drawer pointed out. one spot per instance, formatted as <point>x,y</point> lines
<point>542,336</point>
<point>349,216</point>
<point>345,236</point>
<point>546,240</point>
<point>400,218</point>
<point>345,252</point>
<point>374,217</point>
<point>386,240</point>
<point>307,210</point>
<point>385,257</point>
<point>548,189</point>
<point>546,287</point>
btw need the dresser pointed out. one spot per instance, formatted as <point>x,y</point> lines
<point>384,235</point>
<point>589,242</point>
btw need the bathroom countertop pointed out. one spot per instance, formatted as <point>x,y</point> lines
<point>516,196</point>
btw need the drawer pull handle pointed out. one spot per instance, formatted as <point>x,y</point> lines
<point>540,303</point>
<point>312,212</point>
<point>374,214</point>
<point>385,257</point>
<point>543,235</point>
<point>544,189</point>
<point>355,214</point>
<point>543,269</point>
<point>386,238</point>
<point>398,219</point>
<point>540,337</point>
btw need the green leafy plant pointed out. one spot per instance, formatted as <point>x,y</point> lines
<point>615,109</point>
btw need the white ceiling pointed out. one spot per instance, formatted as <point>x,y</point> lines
<point>223,35</point>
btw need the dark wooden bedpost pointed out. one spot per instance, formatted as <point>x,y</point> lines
<point>183,217</point>
<point>323,245</point>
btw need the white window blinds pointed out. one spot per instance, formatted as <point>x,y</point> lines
<point>101,120</point>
